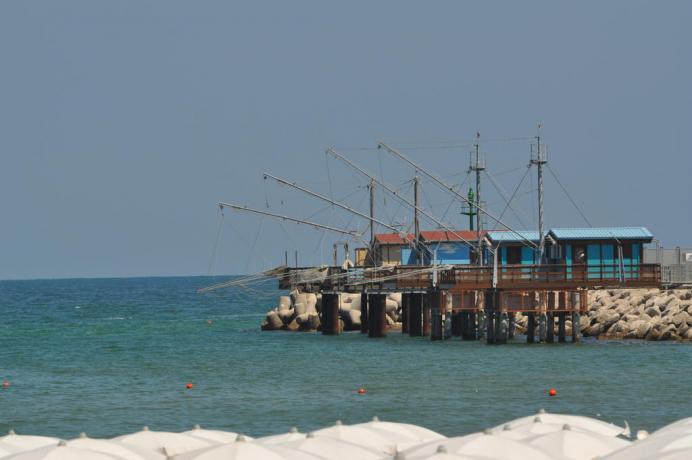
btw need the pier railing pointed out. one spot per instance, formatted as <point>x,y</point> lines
<point>472,277</point>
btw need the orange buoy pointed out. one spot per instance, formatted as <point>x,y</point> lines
<point>361,391</point>
<point>5,383</point>
<point>189,386</point>
<point>210,322</point>
<point>552,392</point>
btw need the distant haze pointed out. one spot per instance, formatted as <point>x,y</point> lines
<point>123,123</point>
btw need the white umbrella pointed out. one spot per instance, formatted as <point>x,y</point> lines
<point>486,445</point>
<point>655,446</point>
<point>215,436</point>
<point>13,442</point>
<point>681,426</point>
<point>404,435</point>
<point>162,441</point>
<point>61,451</point>
<point>577,445</point>
<point>332,449</point>
<point>243,450</point>
<point>362,436</point>
<point>575,421</point>
<point>120,450</point>
<point>529,430</point>
<point>292,435</point>
<point>442,454</point>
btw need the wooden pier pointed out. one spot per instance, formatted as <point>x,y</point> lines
<point>470,302</point>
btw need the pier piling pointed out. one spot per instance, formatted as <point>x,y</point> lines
<point>459,320</point>
<point>364,313</point>
<point>330,314</point>
<point>575,326</point>
<point>415,319</point>
<point>377,322</point>
<point>405,306</point>
<point>561,327</point>
<point>543,327</point>
<point>531,328</point>
<point>428,302</point>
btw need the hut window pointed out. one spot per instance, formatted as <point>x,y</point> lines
<point>627,251</point>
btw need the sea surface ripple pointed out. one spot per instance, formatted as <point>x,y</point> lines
<point>107,356</point>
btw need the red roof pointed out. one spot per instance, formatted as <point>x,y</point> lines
<point>392,238</point>
<point>428,235</point>
<point>444,235</point>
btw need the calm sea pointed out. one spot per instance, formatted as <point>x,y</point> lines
<point>108,356</point>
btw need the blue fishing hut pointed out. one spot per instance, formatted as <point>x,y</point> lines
<point>608,252</point>
<point>513,247</point>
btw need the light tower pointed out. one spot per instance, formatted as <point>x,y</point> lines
<point>539,157</point>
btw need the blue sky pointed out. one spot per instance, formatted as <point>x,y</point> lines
<point>123,123</point>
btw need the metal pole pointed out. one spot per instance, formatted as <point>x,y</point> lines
<point>372,222</point>
<point>478,169</point>
<point>416,224</point>
<point>372,212</point>
<point>290,219</point>
<point>539,161</point>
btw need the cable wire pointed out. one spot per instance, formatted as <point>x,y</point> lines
<point>568,195</point>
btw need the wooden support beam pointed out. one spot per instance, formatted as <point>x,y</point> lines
<point>330,314</point>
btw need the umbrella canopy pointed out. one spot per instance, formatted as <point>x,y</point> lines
<point>292,435</point>
<point>442,454</point>
<point>60,451</point>
<point>13,442</point>
<point>567,444</point>
<point>385,442</point>
<point>162,441</point>
<point>122,451</point>
<point>575,421</point>
<point>486,445</point>
<point>529,430</point>
<point>656,446</point>
<point>681,426</point>
<point>243,450</point>
<point>404,435</point>
<point>215,436</point>
<point>332,449</point>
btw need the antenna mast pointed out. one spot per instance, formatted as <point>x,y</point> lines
<point>416,223</point>
<point>477,166</point>
<point>539,157</point>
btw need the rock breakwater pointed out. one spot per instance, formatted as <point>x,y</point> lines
<point>301,311</point>
<point>646,314</point>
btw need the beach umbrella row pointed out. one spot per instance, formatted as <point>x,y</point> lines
<point>542,436</point>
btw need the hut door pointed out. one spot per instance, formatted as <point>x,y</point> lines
<point>579,261</point>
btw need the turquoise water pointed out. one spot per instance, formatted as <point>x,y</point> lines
<point>108,356</point>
